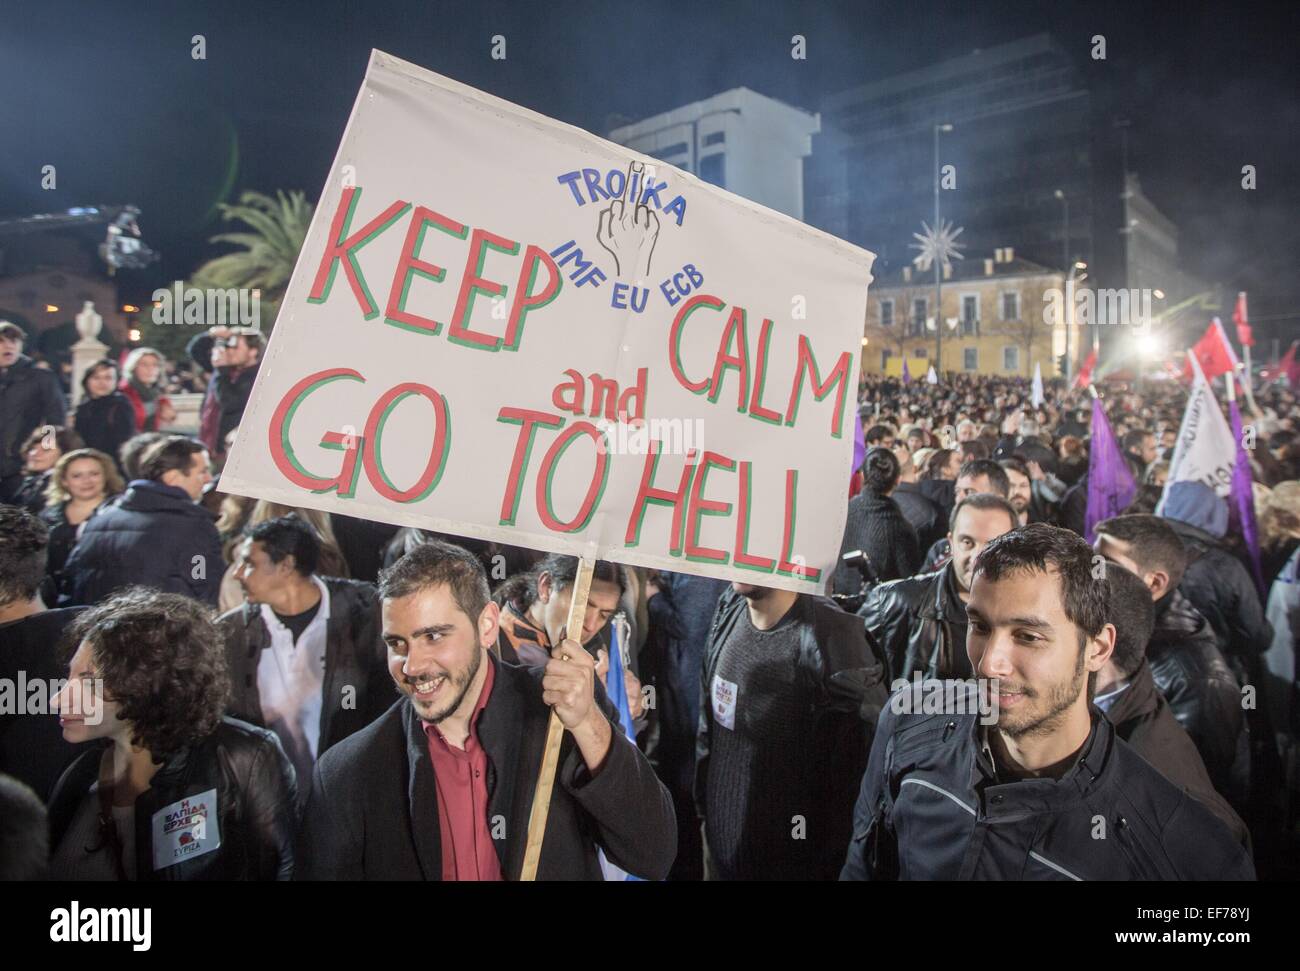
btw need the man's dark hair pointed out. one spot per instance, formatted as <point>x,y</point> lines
<point>173,452</point>
<point>435,563</point>
<point>133,450</point>
<point>983,500</point>
<point>1039,547</point>
<point>1132,441</point>
<point>1015,465</point>
<point>1153,544</point>
<point>876,434</point>
<point>24,832</point>
<point>1134,615</point>
<point>23,539</point>
<point>163,660</point>
<point>881,470</point>
<point>520,591</point>
<point>987,467</point>
<point>288,536</point>
<point>973,450</point>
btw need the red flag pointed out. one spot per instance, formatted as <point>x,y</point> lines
<point>1213,352</point>
<point>1085,372</point>
<point>1239,318</point>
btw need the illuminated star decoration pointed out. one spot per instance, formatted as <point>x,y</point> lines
<point>940,244</point>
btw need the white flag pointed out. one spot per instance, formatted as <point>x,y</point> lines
<point>1206,451</point>
<point>1037,398</point>
<point>931,377</point>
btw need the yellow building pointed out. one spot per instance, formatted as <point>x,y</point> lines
<point>997,317</point>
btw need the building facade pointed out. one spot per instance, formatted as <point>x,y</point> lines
<point>45,304</point>
<point>739,140</point>
<point>1021,130</point>
<point>998,316</point>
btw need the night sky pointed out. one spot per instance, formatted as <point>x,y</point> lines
<point>107,92</point>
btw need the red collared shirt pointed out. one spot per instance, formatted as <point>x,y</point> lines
<point>460,777</point>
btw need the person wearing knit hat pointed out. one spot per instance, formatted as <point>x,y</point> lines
<point>1216,582</point>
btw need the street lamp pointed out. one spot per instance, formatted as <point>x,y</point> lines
<point>1070,281</point>
<point>1065,262</point>
<point>938,305</point>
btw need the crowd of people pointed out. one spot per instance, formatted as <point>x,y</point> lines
<point>243,690</point>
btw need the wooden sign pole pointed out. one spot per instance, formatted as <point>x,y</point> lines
<point>554,731</point>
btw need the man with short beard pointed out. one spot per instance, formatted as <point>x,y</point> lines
<point>440,787</point>
<point>920,621</point>
<point>1024,498</point>
<point>1028,795</point>
<point>975,477</point>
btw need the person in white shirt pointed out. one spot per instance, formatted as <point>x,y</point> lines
<point>305,653</point>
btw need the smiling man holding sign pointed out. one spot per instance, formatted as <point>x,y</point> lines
<point>498,322</point>
<point>439,788</point>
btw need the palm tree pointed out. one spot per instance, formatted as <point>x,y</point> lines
<point>268,253</point>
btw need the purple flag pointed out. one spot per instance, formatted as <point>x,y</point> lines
<point>1241,500</point>
<point>859,442</point>
<point>907,375</point>
<point>1110,483</point>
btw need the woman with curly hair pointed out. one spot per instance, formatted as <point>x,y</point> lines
<point>175,791</point>
<point>83,481</point>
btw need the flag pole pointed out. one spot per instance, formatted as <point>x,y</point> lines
<point>554,732</point>
<point>1248,381</point>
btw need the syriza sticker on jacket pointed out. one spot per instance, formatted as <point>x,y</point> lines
<point>185,829</point>
<point>724,702</point>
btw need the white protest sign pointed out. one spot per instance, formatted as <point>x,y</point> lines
<point>1205,451</point>
<point>503,327</point>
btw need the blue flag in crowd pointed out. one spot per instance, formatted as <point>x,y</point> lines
<point>616,688</point>
<point>614,680</point>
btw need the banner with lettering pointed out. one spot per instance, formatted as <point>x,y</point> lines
<point>504,327</point>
